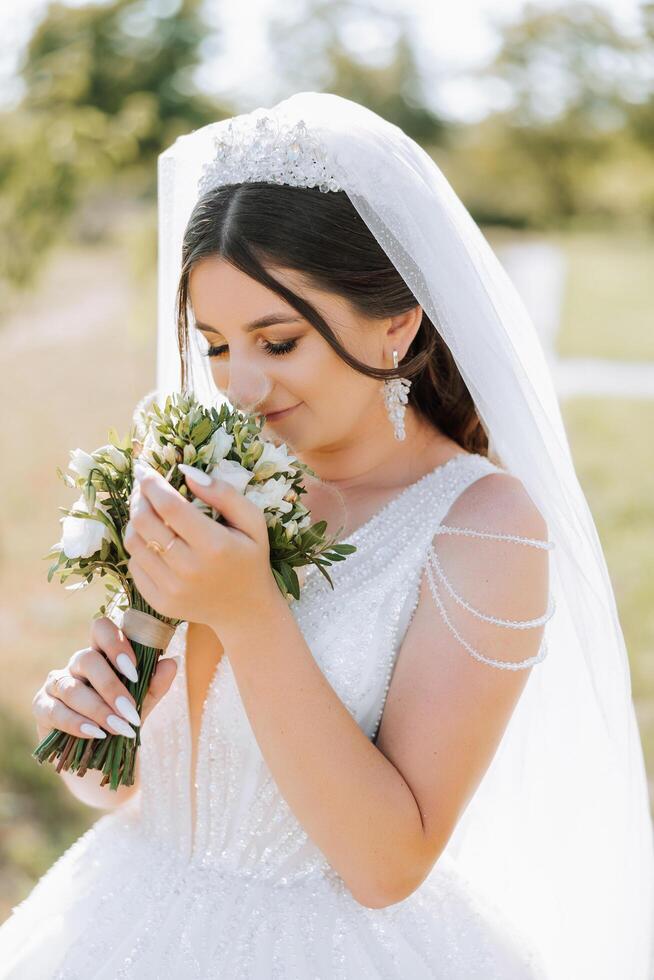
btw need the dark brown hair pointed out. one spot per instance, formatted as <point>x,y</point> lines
<point>322,236</point>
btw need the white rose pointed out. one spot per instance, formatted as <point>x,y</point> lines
<point>81,463</point>
<point>304,522</point>
<point>217,447</point>
<point>231,472</point>
<point>273,459</point>
<point>270,494</point>
<point>115,456</point>
<point>81,538</point>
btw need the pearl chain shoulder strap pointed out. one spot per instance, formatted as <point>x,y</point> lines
<point>433,562</point>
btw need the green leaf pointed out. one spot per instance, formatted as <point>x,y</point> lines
<point>280,581</point>
<point>313,535</point>
<point>290,579</point>
<point>323,572</point>
<point>201,431</point>
<point>344,549</point>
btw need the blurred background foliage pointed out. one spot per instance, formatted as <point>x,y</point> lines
<point>567,161</point>
<point>107,86</point>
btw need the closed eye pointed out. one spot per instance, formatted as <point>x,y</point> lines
<point>285,347</point>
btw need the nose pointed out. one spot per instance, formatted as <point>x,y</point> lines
<point>248,386</point>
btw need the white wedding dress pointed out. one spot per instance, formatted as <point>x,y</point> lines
<point>135,898</point>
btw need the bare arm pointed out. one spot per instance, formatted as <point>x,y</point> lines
<point>352,801</point>
<point>381,814</point>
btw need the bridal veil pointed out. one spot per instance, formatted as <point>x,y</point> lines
<point>559,832</point>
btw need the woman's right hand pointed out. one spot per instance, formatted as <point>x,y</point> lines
<point>86,698</point>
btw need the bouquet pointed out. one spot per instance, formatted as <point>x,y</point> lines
<point>222,441</point>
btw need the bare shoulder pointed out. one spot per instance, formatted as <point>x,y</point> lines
<point>500,502</point>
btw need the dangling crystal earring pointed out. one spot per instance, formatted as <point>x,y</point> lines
<point>396,396</point>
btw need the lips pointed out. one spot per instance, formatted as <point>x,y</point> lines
<point>273,416</point>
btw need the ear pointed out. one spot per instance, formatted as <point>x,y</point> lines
<point>402,329</point>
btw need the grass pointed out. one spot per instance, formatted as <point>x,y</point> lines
<point>609,440</point>
<point>608,309</point>
<point>75,358</point>
<point>608,302</point>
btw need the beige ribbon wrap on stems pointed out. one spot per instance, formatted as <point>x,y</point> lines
<point>146,629</point>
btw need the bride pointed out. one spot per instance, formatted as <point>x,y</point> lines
<point>433,769</point>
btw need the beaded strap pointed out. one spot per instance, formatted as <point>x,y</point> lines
<point>432,560</point>
<point>452,529</point>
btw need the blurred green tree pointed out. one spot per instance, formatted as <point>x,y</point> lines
<point>641,112</point>
<point>313,47</point>
<point>107,87</point>
<point>572,81</point>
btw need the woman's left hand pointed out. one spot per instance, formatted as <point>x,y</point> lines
<point>212,573</point>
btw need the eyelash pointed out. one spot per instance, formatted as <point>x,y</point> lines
<point>285,347</point>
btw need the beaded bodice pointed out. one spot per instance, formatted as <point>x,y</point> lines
<point>354,632</point>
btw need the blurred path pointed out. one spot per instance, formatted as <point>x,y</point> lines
<point>81,291</point>
<point>538,270</point>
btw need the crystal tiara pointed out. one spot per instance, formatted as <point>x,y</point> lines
<point>271,150</point>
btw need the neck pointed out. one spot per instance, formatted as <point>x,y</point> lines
<point>375,457</point>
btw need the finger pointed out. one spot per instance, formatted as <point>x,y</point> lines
<point>118,707</point>
<point>147,587</point>
<point>162,678</point>
<point>145,520</point>
<point>236,509</point>
<point>53,713</point>
<point>180,515</point>
<point>76,695</point>
<point>161,575</point>
<point>110,640</point>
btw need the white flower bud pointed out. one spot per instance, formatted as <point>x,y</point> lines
<point>115,456</point>
<point>81,462</point>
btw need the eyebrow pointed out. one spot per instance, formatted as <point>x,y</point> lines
<point>263,321</point>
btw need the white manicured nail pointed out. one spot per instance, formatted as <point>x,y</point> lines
<point>198,475</point>
<point>126,667</point>
<point>127,709</point>
<point>89,729</point>
<point>141,470</point>
<point>121,726</point>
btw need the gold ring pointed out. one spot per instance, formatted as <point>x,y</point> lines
<point>160,550</point>
<point>154,546</point>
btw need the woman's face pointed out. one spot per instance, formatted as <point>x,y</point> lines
<point>288,364</point>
